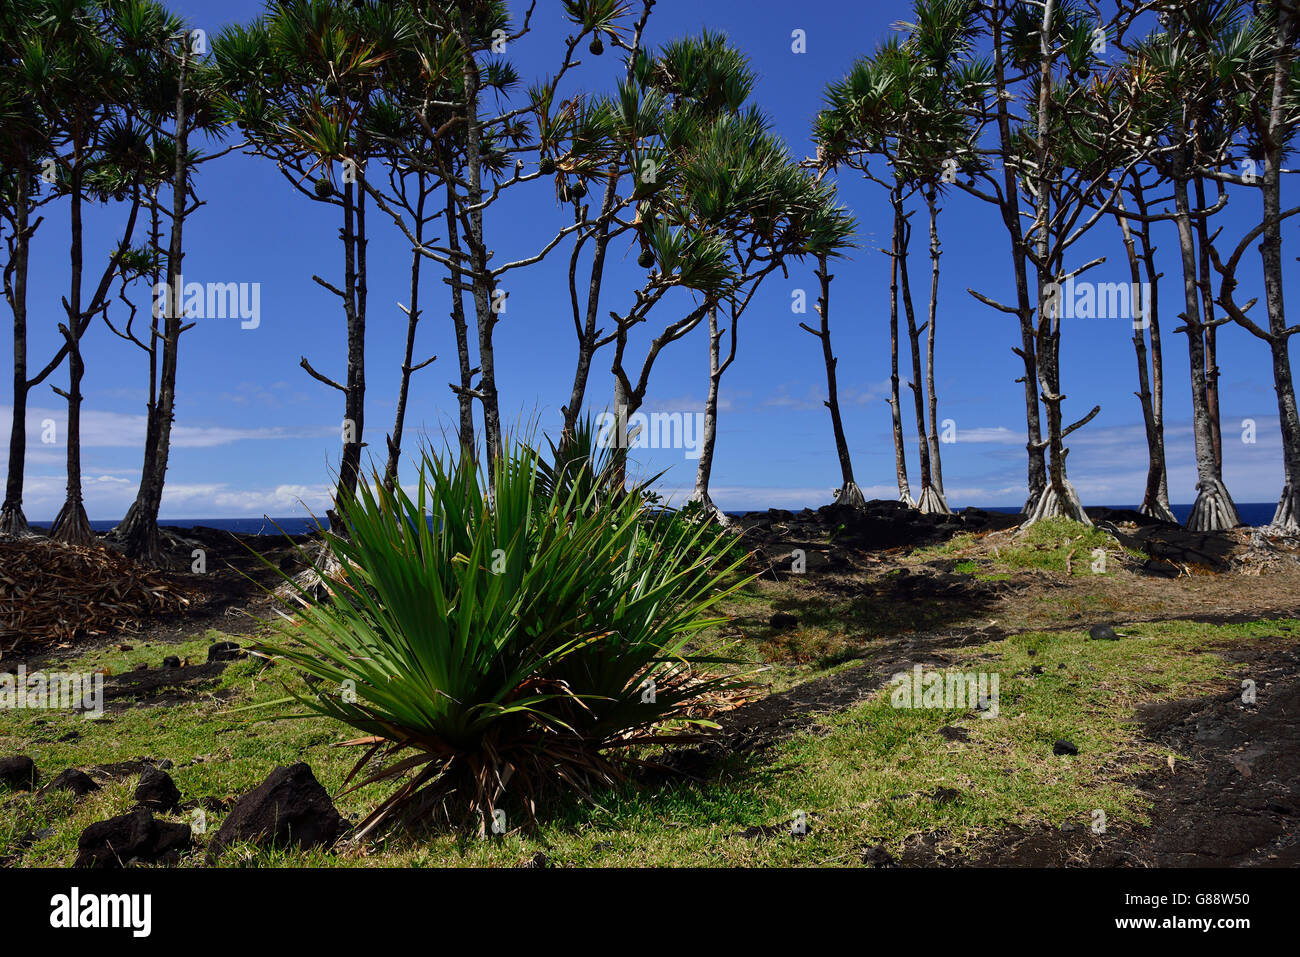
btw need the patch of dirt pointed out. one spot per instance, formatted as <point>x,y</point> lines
<point>155,687</point>
<point>1234,803</point>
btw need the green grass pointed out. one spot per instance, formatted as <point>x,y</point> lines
<point>1052,545</point>
<point>863,777</point>
<point>1055,542</point>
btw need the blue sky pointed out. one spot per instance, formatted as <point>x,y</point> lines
<point>254,434</point>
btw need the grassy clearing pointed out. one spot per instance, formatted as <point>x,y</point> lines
<point>836,628</point>
<point>864,776</point>
<point>1056,545</point>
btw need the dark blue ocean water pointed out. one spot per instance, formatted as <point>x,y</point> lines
<point>1252,513</point>
<point>240,526</point>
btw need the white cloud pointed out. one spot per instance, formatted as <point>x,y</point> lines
<point>996,435</point>
<point>813,398</point>
<point>865,395</point>
<point>103,429</point>
<point>221,500</point>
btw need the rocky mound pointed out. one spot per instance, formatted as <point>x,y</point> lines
<point>878,526</point>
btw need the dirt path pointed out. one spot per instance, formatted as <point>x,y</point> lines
<point>1235,803</point>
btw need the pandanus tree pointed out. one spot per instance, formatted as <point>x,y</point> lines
<point>907,107</point>
<point>617,140</point>
<point>1042,57</point>
<point>80,62</point>
<point>422,139</point>
<point>489,137</point>
<point>998,185</point>
<point>1175,77</point>
<point>418,198</point>
<point>838,236</point>
<point>25,148</point>
<point>858,122</point>
<point>1140,250</point>
<point>1269,96</point>
<point>740,184</point>
<point>692,84</point>
<point>1056,159</point>
<point>1136,90</point>
<point>950,81</point>
<point>176,93</point>
<point>480,133</point>
<point>303,84</point>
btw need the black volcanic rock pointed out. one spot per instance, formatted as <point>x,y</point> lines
<point>78,782</point>
<point>157,791</point>
<point>225,651</point>
<point>18,773</point>
<point>289,808</point>
<point>132,837</point>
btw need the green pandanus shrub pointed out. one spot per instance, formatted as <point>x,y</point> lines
<point>502,646</point>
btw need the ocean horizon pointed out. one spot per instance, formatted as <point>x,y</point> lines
<point>1254,514</point>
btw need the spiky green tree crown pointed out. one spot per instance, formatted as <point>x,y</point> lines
<point>93,85</point>
<point>304,81</point>
<point>914,103</point>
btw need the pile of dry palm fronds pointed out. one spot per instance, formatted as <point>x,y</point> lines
<point>51,591</point>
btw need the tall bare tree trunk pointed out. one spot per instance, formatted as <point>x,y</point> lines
<point>1155,495</point>
<point>1058,499</point>
<point>937,501</point>
<point>704,468</point>
<point>930,501</point>
<point>586,326</point>
<point>849,493</point>
<point>1214,508</point>
<point>1157,347</point>
<point>156,336</point>
<point>412,324</point>
<point>139,528</point>
<point>354,391</point>
<point>586,339</point>
<point>625,405</point>
<point>13,523</point>
<point>1211,324</point>
<point>897,252</point>
<point>1287,515</point>
<point>484,303</point>
<point>72,525</point>
<point>464,392</point>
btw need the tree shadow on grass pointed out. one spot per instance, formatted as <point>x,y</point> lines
<point>828,626</point>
